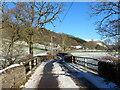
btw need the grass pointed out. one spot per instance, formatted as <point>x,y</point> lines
<point>35,50</point>
<point>85,51</point>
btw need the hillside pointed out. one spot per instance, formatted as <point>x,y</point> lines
<point>57,38</point>
<point>95,44</point>
<point>32,35</point>
<point>44,36</point>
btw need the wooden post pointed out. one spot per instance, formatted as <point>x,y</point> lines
<point>73,59</point>
<point>36,61</point>
<point>30,66</point>
<point>84,63</point>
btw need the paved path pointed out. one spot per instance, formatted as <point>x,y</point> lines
<point>48,79</point>
<point>80,81</point>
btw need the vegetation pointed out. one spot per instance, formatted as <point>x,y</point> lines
<point>24,20</point>
<point>94,45</point>
<point>108,25</point>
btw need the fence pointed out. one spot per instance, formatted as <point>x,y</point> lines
<point>15,76</point>
<point>86,62</point>
<point>31,63</point>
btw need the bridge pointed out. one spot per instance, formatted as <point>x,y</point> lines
<point>61,71</point>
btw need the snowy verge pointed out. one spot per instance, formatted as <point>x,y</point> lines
<point>11,66</point>
<point>96,80</point>
<point>35,78</point>
<point>63,80</point>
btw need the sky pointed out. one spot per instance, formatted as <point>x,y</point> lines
<point>77,22</point>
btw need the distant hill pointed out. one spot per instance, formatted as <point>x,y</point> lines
<point>57,38</point>
<point>95,44</point>
<point>45,36</point>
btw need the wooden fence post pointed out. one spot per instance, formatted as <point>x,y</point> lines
<point>84,62</point>
<point>73,59</point>
<point>30,66</point>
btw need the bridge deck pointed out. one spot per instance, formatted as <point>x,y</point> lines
<point>50,79</point>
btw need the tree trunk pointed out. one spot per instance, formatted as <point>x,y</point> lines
<point>10,52</point>
<point>30,45</point>
<point>31,48</point>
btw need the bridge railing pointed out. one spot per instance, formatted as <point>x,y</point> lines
<point>29,64</point>
<point>87,62</point>
<point>15,75</point>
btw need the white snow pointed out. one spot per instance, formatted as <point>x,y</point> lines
<point>41,54</point>
<point>35,78</point>
<point>96,80</point>
<point>11,66</point>
<point>100,44</point>
<point>63,80</point>
<point>57,69</point>
<point>66,82</point>
<point>91,54</point>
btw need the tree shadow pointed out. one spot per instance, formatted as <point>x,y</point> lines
<point>49,79</point>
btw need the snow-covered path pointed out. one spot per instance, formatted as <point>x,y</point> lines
<point>50,75</point>
<point>56,74</point>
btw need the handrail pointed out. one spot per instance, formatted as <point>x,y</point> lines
<point>88,63</point>
<point>84,62</point>
<point>86,58</point>
<point>33,62</point>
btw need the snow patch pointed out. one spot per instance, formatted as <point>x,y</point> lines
<point>63,80</point>
<point>41,54</point>
<point>11,66</point>
<point>35,78</point>
<point>96,80</point>
<point>66,82</point>
<point>57,69</point>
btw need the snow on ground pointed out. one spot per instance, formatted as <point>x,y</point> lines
<point>41,54</point>
<point>96,80</point>
<point>11,66</point>
<point>57,69</point>
<point>63,80</point>
<point>91,54</point>
<point>66,81</point>
<point>35,78</point>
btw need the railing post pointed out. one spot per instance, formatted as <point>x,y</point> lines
<point>30,65</point>
<point>36,60</point>
<point>84,63</point>
<point>21,63</point>
<point>73,59</point>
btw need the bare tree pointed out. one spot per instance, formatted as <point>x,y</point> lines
<point>36,14</point>
<point>108,24</point>
<point>11,29</point>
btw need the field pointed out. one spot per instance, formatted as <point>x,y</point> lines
<point>92,54</point>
